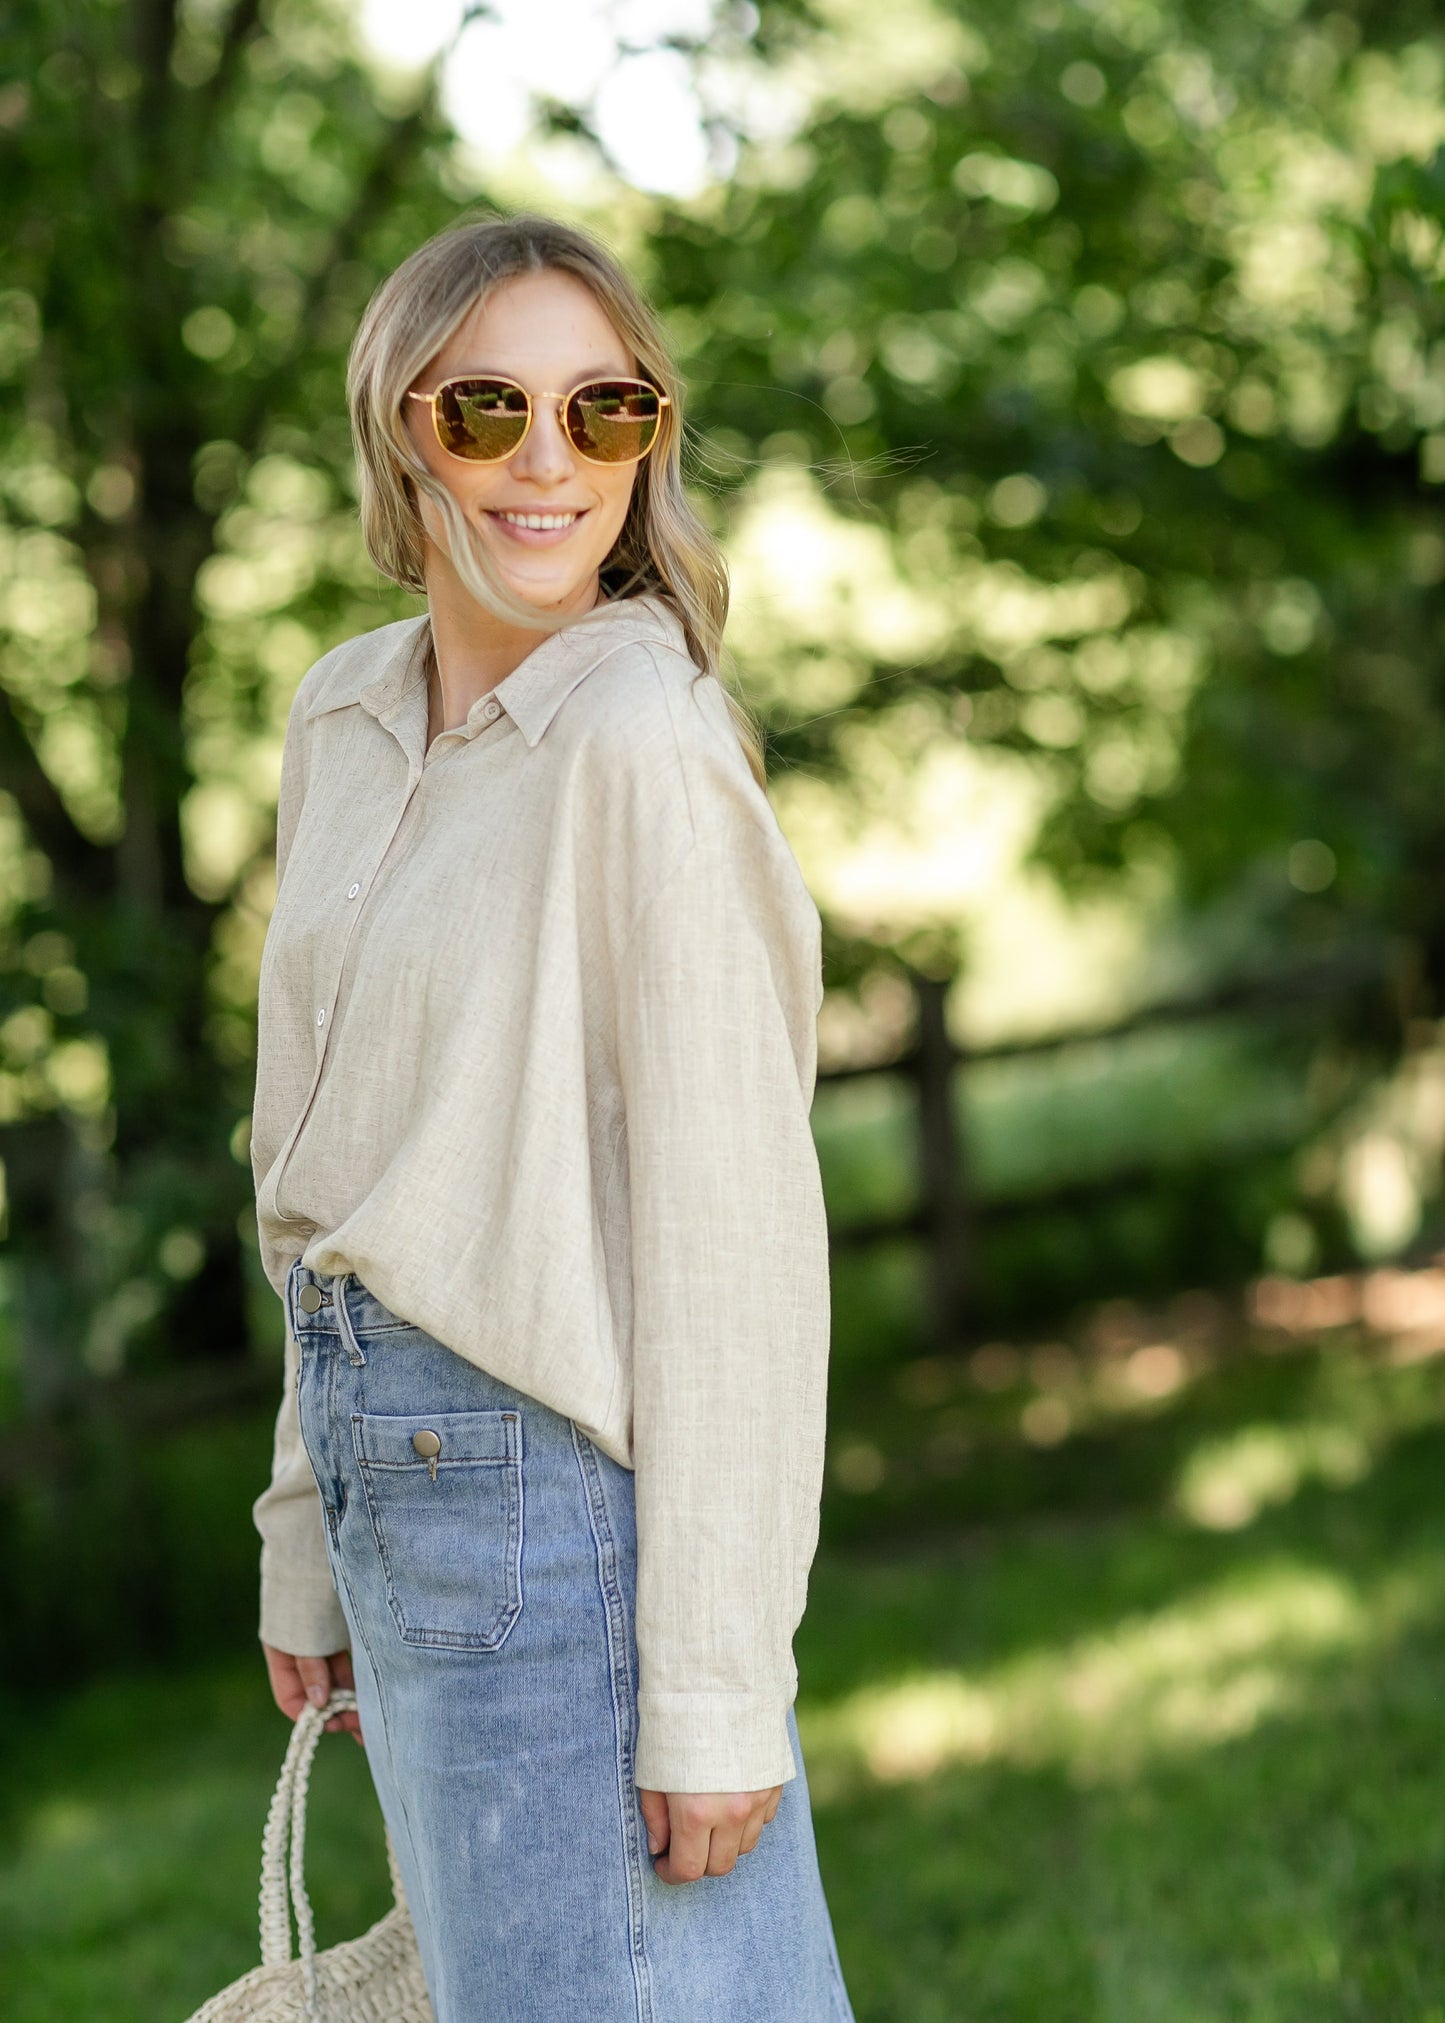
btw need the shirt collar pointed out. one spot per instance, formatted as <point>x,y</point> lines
<point>383,663</point>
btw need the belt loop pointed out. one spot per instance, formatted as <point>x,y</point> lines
<point>343,1318</point>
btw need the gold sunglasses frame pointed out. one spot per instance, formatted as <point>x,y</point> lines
<point>563,399</point>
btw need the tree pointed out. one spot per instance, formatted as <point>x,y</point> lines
<point>199,200</point>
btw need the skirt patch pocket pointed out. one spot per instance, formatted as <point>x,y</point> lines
<point>444,1490</point>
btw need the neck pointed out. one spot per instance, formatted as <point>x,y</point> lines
<point>472,650</point>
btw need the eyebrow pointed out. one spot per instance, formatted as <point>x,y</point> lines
<point>577,378</point>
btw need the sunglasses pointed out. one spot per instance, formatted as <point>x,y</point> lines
<point>484,418</point>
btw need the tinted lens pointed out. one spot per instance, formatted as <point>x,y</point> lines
<point>481,418</point>
<point>613,421</point>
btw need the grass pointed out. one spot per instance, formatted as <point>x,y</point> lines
<point>1220,1798</point>
<point>132,1838</point>
<point>1131,1709</point>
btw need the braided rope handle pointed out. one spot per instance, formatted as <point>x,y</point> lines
<point>286,1819</point>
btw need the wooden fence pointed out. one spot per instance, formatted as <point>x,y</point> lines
<point>947,1213</point>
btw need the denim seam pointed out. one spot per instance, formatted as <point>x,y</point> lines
<point>517,1510</point>
<point>331,1407</point>
<point>358,1623</point>
<point>841,2003</point>
<point>319,1327</point>
<point>619,1670</point>
<point>842,2006</point>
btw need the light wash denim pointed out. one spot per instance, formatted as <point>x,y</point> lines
<point>491,1614</point>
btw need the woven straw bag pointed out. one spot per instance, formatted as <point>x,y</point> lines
<point>374,1979</point>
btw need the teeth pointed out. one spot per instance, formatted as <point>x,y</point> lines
<point>542,521</point>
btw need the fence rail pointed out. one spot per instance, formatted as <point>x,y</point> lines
<point>947,1213</point>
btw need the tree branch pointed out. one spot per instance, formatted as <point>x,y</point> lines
<point>377,184</point>
<point>41,806</point>
<point>153,39</point>
<point>244,21</point>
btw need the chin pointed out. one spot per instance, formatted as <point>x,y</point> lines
<point>548,590</point>
<point>544,594</point>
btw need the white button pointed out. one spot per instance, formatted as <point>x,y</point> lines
<point>492,709</point>
<point>321,1018</point>
<point>352,890</point>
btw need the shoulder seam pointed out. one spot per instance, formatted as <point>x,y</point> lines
<point>667,646</point>
<point>646,645</point>
<point>699,674</point>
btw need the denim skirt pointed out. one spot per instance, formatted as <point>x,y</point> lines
<point>489,1590</point>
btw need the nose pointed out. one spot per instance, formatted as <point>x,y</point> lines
<point>547,455</point>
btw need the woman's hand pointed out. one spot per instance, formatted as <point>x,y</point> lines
<point>294,1681</point>
<point>698,1833</point>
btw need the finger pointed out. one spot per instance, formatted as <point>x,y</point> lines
<point>294,1680</point>
<point>723,1852</point>
<point>732,1811</point>
<point>688,1846</point>
<point>343,1674</point>
<point>655,1819</point>
<point>770,1810</point>
<point>286,1687</point>
<point>320,1677</point>
<point>315,1676</point>
<point>753,1830</point>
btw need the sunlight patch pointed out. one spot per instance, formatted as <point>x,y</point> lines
<point>1226,1483</point>
<point>1191,1677</point>
<point>63,1823</point>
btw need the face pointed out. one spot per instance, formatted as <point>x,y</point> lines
<point>547,331</point>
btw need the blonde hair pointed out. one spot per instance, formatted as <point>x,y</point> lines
<point>664,549</point>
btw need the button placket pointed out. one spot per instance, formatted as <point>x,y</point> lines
<point>415,774</point>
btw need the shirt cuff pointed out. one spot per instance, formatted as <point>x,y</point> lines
<point>300,1613</point>
<point>713,1742</point>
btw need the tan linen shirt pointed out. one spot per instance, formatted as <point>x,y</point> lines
<point>536,1056</point>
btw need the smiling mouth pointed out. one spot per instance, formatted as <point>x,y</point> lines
<point>540,523</point>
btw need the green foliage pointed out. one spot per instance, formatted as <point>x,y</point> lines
<point>1125,324</point>
<point>1104,341</point>
<point>199,202</point>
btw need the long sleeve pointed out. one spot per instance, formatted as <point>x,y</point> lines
<point>300,1609</point>
<point>718,988</point>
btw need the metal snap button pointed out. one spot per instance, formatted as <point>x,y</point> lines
<point>428,1445</point>
<point>309,1299</point>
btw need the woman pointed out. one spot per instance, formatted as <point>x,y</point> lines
<point>536,1184</point>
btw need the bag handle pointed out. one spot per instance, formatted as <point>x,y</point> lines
<point>286,1819</point>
